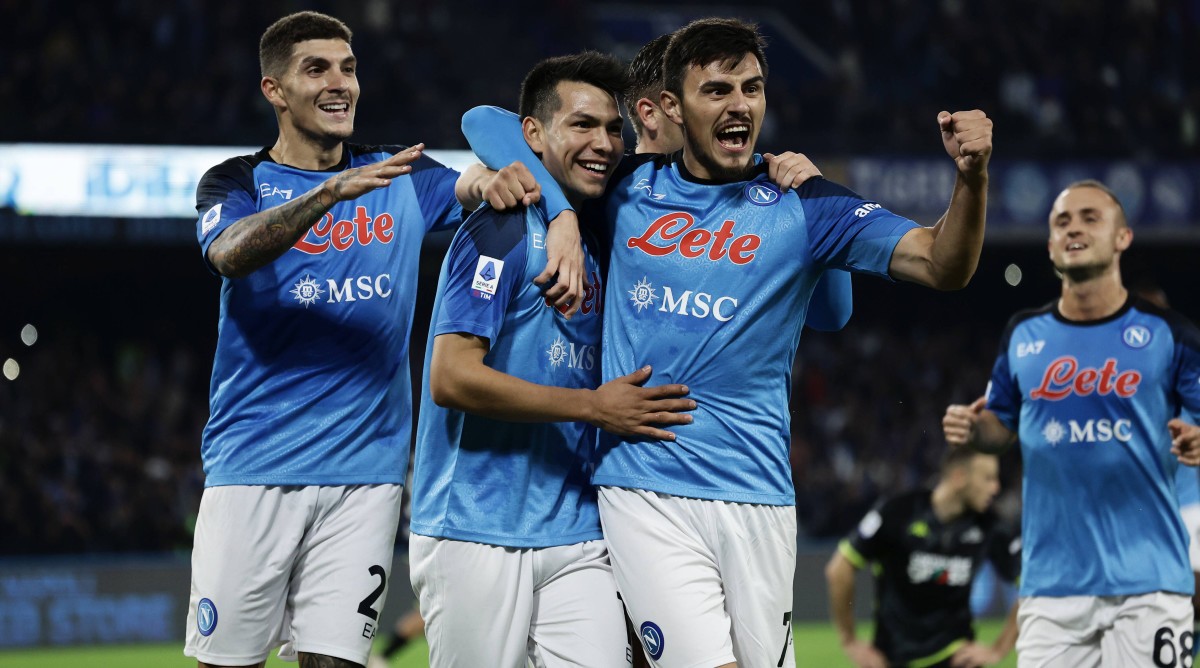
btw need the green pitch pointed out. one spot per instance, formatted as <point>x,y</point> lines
<point>816,647</point>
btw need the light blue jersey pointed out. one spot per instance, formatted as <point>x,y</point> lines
<point>310,382</point>
<point>710,284</point>
<point>1090,403</point>
<point>522,485</point>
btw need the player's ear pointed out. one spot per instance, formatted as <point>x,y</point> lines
<point>535,134</point>
<point>645,111</point>
<point>272,90</point>
<point>672,107</point>
<point>1124,238</point>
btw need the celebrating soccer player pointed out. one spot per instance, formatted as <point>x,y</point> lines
<point>317,241</point>
<point>506,550</point>
<point>711,271</point>
<point>1092,384</point>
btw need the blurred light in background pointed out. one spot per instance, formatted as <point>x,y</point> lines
<point>1012,274</point>
<point>11,369</point>
<point>29,335</point>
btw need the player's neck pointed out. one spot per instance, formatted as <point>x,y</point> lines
<point>295,150</point>
<point>947,506</point>
<point>1092,299</point>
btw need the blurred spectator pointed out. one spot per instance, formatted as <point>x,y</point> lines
<point>1105,78</point>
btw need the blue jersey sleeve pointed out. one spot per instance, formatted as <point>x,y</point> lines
<point>495,136</point>
<point>831,303</point>
<point>848,232</point>
<point>1187,363</point>
<point>225,195</point>
<point>1003,395</point>
<point>434,184</point>
<point>485,268</point>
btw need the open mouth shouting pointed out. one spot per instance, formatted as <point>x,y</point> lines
<point>734,137</point>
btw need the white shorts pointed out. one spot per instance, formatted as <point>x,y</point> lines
<point>1191,519</point>
<point>1105,631</point>
<point>302,567</point>
<point>499,606</point>
<point>705,582</point>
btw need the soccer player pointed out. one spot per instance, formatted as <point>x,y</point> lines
<point>507,554</point>
<point>926,547</point>
<point>306,447</point>
<point>1088,383</point>
<point>831,303</point>
<point>710,276</point>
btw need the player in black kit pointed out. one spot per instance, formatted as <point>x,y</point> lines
<point>926,547</point>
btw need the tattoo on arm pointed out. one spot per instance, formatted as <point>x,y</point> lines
<point>257,240</point>
<point>323,661</point>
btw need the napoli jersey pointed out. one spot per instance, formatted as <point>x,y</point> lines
<point>1090,402</point>
<point>709,283</point>
<point>513,484</point>
<point>310,382</point>
<point>1187,486</point>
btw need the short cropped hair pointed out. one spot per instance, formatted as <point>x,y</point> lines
<point>1122,220</point>
<point>699,43</point>
<point>539,90</point>
<point>645,76</point>
<point>958,457</point>
<point>275,47</point>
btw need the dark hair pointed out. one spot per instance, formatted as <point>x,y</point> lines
<point>1122,220</point>
<point>958,457</point>
<point>724,41</point>
<point>645,76</point>
<point>275,47</point>
<point>539,90</point>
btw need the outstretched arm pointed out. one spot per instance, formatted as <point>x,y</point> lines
<point>946,255</point>
<point>839,575</point>
<point>976,427</point>
<point>259,239</point>
<point>459,379</point>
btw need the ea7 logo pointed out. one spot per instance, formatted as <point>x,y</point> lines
<point>863,210</point>
<point>1031,348</point>
<point>267,190</point>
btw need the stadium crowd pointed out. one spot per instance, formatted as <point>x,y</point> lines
<point>888,63</point>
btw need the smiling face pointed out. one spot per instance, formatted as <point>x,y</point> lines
<point>317,93</point>
<point>721,110</point>
<point>1088,232</point>
<point>581,142</point>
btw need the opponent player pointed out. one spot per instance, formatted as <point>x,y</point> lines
<point>711,272</point>
<point>831,303</point>
<point>506,550</point>
<point>927,546</point>
<point>1089,383</point>
<point>306,447</point>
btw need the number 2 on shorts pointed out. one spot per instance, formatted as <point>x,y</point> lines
<point>364,606</point>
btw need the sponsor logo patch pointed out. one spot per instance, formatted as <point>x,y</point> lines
<point>487,276</point>
<point>307,291</point>
<point>210,220</point>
